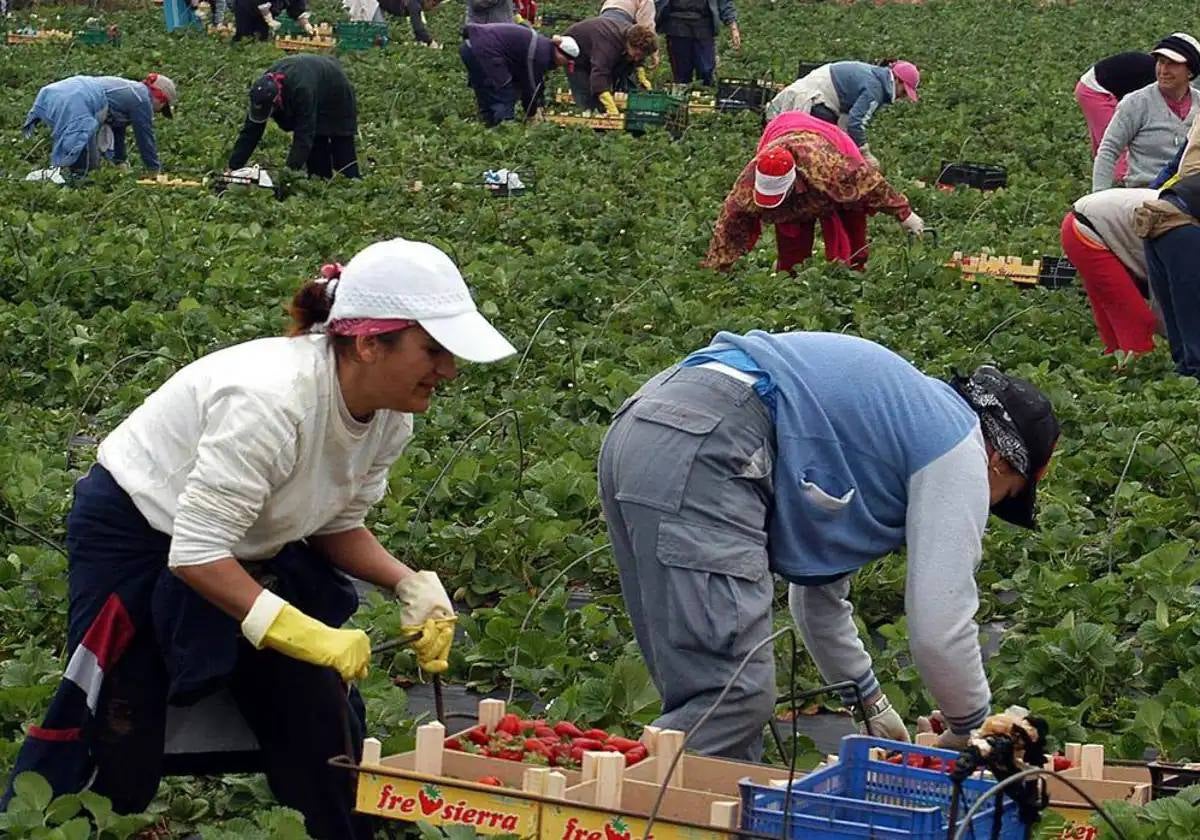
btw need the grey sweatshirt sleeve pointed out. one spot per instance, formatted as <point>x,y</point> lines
<point>825,618</point>
<point>947,513</point>
<point>1116,138</point>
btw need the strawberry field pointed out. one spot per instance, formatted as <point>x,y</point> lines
<point>108,287</point>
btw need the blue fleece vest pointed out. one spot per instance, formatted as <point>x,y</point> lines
<point>853,422</point>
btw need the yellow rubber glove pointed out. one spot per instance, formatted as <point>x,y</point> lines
<point>643,79</point>
<point>433,646</point>
<point>274,623</point>
<point>610,104</point>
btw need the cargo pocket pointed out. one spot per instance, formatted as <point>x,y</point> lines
<point>715,584</point>
<point>658,452</point>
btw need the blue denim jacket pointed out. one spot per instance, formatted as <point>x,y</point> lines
<point>74,109</point>
<point>862,89</point>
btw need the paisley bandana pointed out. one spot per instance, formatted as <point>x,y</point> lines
<point>981,390</point>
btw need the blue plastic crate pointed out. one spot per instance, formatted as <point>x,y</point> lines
<point>861,797</point>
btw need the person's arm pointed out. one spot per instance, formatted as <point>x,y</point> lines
<point>861,112</point>
<point>601,77</point>
<point>825,618</point>
<point>417,20</point>
<point>304,134</point>
<point>737,229</point>
<point>644,13</point>
<point>947,514</point>
<point>1189,161</point>
<point>1116,139</point>
<point>1169,171</point>
<point>359,553</point>
<point>142,120</point>
<point>247,142</point>
<point>727,12</point>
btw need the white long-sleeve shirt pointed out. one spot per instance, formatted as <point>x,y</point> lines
<point>250,448</point>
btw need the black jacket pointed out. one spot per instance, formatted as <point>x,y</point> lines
<point>317,101</point>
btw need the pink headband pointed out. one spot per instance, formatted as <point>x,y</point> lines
<point>367,326</point>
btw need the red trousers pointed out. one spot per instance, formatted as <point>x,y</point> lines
<point>1122,316</point>
<point>844,233</point>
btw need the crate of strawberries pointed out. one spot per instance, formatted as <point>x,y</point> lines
<point>535,741</point>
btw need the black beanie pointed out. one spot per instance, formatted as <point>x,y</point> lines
<point>1180,46</point>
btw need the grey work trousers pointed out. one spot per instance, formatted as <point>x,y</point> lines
<point>685,483</point>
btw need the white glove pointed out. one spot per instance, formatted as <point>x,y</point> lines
<point>885,722</point>
<point>868,157</point>
<point>422,596</point>
<point>914,224</point>
<point>306,24</point>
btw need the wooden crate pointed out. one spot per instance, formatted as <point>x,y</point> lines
<point>605,800</point>
<point>317,43</point>
<point>600,123</point>
<point>45,36</point>
<point>1103,782</point>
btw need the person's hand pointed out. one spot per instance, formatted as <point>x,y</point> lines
<point>432,645</point>
<point>422,597</point>
<point>274,623</point>
<point>306,24</point>
<point>609,104</point>
<point>271,22</point>
<point>913,224</point>
<point>885,721</point>
<point>947,740</point>
<point>868,157</point>
<point>643,79</point>
<point>735,35</point>
<point>434,45</point>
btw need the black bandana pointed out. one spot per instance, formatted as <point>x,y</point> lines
<point>981,390</point>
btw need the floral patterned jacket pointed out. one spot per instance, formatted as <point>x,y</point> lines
<point>826,180</point>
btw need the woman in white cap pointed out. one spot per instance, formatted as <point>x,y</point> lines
<point>806,170</point>
<point>1152,122</point>
<point>210,543</point>
<point>849,93</point>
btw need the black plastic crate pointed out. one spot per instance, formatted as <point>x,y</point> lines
<point>743,95</point>
<point>1169,779</point>
<point>554,18</point>
<point>981,176</point>
<point>805,66</point>
<point>1057,272</point>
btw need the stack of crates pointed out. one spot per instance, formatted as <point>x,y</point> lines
<point>353,35</point>
<point>646,110</point>
<point>860,796</point>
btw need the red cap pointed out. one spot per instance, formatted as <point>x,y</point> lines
<point>774,175</point>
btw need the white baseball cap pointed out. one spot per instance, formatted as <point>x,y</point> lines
<point>402,279</point>
<point>568,46</point>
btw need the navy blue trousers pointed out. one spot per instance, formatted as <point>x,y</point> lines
<point>496,104</point>
<point>140,638</point>
<point>692,57</point>
<point>1175,283</point>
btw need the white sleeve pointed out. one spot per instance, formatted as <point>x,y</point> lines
<point>374,484</point>
<point>247,448</point>
<point>948,505</point>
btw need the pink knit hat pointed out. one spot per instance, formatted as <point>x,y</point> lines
<point>908,78</point>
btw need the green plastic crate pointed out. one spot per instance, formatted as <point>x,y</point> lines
<point>97,37</point>
<point>357,35</point>
<point>290,28</point>
<point>646,110</point>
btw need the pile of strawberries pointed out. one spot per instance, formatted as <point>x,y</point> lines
<point>536,742</point>
<point>932,762</point>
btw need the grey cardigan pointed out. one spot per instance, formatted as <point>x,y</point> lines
<point>1148,129</point>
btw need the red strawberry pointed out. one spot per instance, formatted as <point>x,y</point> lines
<point>596,734</point>
<point>566,729</point>
<point>489,780</point>
<point>1061,763</point>
<point>622,744</point>
<point>635,754</point>
<point>478,735</point>
<point>430,798</point>
<point>453,744</point>
<point>587,743</point>
<point>510,724</point>
<point>545,732</point>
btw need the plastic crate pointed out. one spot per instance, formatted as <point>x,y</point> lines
<point>97,37</point>
<point>1057,272</point>
<point>981,176</point>
<point>1169,779</point>
<point>354,35</point>
<point>861,797</point>
<point>742,95</point>
<point>289,27</point>
<point>645,110</point>
<point>805,66</point>
<point>555,18</point>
